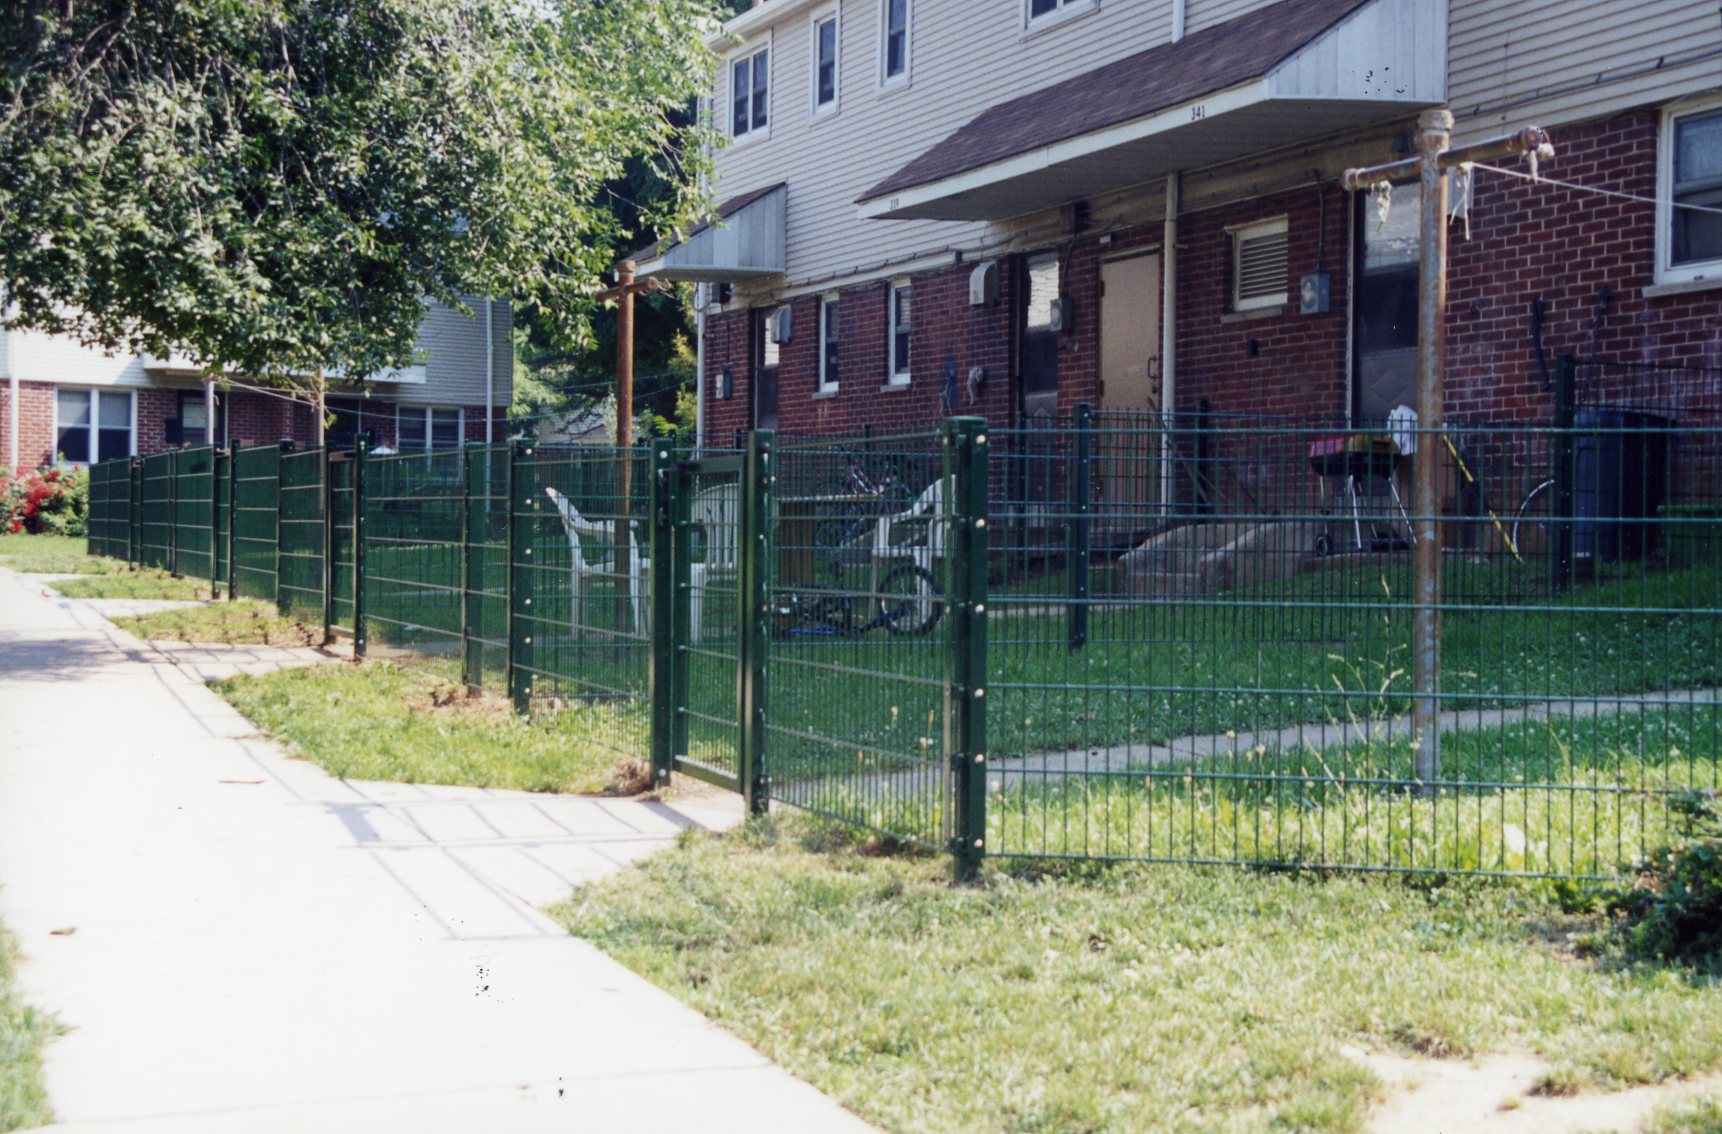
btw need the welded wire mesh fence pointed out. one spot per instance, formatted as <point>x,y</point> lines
<point>110,509</point>
<point>1184,637</point>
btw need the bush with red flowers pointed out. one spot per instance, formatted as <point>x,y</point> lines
<point>55,501</point>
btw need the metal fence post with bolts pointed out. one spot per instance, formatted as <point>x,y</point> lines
<point>753,613</point>
<point>361,449</point>
<point>326,492</point>
<point>233,448</point>
<point>1561,554</point>
<point>134,516</point>
<point>1078,524</point>
<point>661,679</point>
<point>521,504</point>
<point>966,654</point>
<point>280,467</point>
<point>474,529</point>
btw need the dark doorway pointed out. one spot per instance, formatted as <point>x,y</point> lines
<point>765,363</point>
<point>1039,355</point>
<point>1384,320</point>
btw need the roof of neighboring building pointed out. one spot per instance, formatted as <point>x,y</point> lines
<point>724,210</point>
<point>1162,77</point>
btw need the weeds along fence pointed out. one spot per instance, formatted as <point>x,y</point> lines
<point>1108,636</point>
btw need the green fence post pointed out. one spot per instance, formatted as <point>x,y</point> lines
<point>753,610</point>
<point>326,493</point>
<point>232,518</point>
<point>474,534</point>
<point>1561,554</point>
<point>286,448</point>
<point>173,514</point>
<point>521,505</point>
<point>664,491</point>
<point>215,482</point>
<point>966,654</point>
<point>361,448</point>
<point>1079,479</point>
<point>134,516</point>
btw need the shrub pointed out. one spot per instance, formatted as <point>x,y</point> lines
<point>1676,905</point>
<point>55,501</point>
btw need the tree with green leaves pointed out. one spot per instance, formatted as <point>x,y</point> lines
<point>274,187</point>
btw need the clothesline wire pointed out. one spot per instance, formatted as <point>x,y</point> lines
<point>1541,180</point>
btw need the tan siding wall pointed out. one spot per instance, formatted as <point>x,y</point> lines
<point>1206,13</point>
<point>453,346</point>
<point>52,358</point>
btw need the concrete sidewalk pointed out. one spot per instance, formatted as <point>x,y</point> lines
<point>240,942</point>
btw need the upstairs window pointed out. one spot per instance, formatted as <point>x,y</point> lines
<point>824,63</point>
<point>1688,236</point>
<point>1259,265</point>
<point>1043,12</point>
<point>895,47</point>
<point>750,93</point>
<point>900,297</point>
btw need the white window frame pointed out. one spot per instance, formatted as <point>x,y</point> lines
<point>1242,234</point>
<point>901,79</point>
<point>427,413</point>
<point>751,53</point>
<point>1063,11</point>
<point>817,110</point>
<point>828,310</point>
<point>893,376</point>
<point>95,422</point>
<point>1666,270</point>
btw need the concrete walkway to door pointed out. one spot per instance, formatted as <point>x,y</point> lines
<point>237,941</point>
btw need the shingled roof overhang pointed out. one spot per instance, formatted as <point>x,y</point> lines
<point>741,239</point>
<point>1287,73</point>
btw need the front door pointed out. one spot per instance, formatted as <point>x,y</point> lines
<point>1384,329</point>
<point>1041,469</point>
<point>1128,455</point>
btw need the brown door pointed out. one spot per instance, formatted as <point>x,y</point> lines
<point>1129,455</point>
<point>765,362</point>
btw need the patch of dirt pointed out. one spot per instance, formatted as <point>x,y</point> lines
<point>1501,1095</point>
<point>455,700</point>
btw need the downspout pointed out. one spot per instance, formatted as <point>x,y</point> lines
<point>1169,324</point>
<point>489,369</point>
<point>10,357</point>
<point>1178,20</point>
<point>209,411</point>
<point>699,369</point>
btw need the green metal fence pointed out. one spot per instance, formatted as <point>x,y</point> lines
<point>1102,636</point>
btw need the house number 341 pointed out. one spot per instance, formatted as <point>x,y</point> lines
<point>1198,112</point>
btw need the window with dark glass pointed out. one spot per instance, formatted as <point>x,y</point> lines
<point>92,425</point>
<point>419,428</point>
<point>1697,150</point>
<point>896,38</point>
<point>750,93</point>
<point>828,343</point>
<point>825,62</point>
<point>900,325</point>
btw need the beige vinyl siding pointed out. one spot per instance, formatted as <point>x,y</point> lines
<point>36,357</point>
<point>452,346</point>
<point>1201,14</point>
<point>965,55</point>
<point>1555,61</point>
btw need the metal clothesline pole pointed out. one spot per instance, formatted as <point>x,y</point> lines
<point>1435,157</point>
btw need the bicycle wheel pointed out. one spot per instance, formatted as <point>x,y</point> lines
<point>910,601</point>
<point>1531,523</point>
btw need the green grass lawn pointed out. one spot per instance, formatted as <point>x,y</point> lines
<point>379,721</point>
<point>54,555</point>
<point>23,1032</point>
<point>1132,997</point>
<point>148,583</point>
<point>241,622</point>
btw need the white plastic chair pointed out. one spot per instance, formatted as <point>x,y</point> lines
<point>575,525</point>
<point>714,512</point>
<point>918,534</point>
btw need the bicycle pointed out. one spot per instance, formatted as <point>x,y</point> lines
<point>861,499</point>
<point>909,604</point>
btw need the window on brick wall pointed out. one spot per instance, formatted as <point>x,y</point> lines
<point>829,335</point>
<point>898,343</point>
<point>422,428</point>
<point>94,425</point>
<point>1042,13</point>
<point>1689,235</point>
<point>1259,265</point>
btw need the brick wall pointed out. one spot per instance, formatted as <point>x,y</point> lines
<point>1526,242</point>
